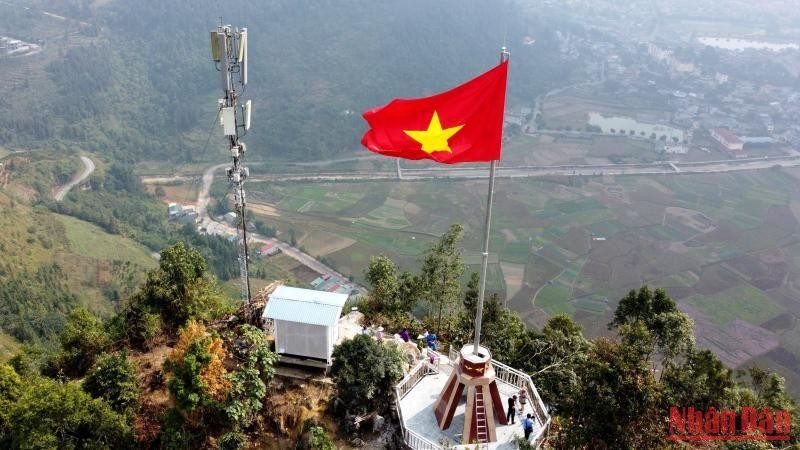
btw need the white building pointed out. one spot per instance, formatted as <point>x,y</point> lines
<point>676,149</point>
<point>304,323</point>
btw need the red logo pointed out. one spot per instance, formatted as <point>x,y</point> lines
<point>751,424</point>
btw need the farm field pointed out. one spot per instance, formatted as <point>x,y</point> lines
<point>89,240</point>
<point>725,246</point>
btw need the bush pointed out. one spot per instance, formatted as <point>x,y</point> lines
<point>198,375</point>
<point>50,414</point>
<point>365,372</point>
<point>82,339</point>
<point>114,379</point>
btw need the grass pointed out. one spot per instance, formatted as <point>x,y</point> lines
<point>386,216</point>
<point>554,299</point>
<point>8,346</point>
<point>90,240</point>
<point>741,302</point>
<point>592,303</point>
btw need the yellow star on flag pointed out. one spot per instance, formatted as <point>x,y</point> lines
<point>434,139</point>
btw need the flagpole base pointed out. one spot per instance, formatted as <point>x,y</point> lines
<point>474,374</point>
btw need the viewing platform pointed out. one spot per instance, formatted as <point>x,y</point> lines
<point>417,393</point>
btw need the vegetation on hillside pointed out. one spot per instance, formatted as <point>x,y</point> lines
<point>603,393</point>
<point>107,87</point>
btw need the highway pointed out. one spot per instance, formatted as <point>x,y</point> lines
<point>520,171</point>
<point>88,168</point>
<point>657,168</point>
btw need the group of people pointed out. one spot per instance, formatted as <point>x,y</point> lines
<point>428,338</point>
<point>516,408</point>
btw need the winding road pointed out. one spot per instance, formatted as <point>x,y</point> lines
<point>88,168</point>
<point>203,198</point>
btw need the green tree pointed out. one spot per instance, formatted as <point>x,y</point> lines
<point>381,274</point>
<point>502,331</point>
<point>365,372</point>
<point>10,392</point>
<point>441,273</point>
<point>391,294</point>
<point>671,328</point>
<point>84,337</point>
<point>136,324</point>
<point>50,414</point>
<point>553,358</point>
<point>249,381</point>
<point>198,376</point>
<point>700,380</point>
<point>320,439</point>
<point>616,402</point>
<point>179,290</point>
<point>113,378</point>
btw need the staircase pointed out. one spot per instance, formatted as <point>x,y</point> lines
<point>480,417</point>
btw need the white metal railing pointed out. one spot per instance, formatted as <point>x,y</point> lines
<point>418,442</point>
<point>521,379</point>
<point>452,355</point>
<point>412,439</point>
<point>504,373</point>
<point>437,360</point>
<point>409,381</point>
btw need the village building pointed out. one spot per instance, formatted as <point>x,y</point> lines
<point>729,142</point>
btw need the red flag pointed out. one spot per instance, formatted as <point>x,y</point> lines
<point>464,124</point>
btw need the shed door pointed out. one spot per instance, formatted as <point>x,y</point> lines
<point>301,339</point>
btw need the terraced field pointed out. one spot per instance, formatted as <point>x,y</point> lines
<point>725,246</point>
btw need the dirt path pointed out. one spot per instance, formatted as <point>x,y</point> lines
<point>88,168</point>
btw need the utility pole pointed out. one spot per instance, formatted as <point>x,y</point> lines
<point>229,52</point>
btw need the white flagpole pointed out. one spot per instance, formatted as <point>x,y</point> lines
<point>485,255</point>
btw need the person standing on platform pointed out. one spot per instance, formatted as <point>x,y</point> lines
<point>527,426</point>
<point>523,397</point>
<point>404,335</point>
<point>512,409</point>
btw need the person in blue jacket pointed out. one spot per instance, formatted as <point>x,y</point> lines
<point>527,426</point>
<point>431,340</point>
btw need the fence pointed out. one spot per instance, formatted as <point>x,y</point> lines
<point>409,381</point>
<point>412,439</point>
<point>520,379</point>
<point>503,373</point>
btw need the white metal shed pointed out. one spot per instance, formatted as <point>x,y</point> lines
<point>304,322</point>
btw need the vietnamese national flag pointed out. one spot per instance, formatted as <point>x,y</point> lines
<point>464,124</point>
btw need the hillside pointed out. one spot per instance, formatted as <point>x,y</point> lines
<point>53,263</point>
<point>134,79</point>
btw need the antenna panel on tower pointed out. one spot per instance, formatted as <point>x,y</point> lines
<point>214,47</point>
<point>243,54</point>
<point>229,121</point>
<point>248,109</point>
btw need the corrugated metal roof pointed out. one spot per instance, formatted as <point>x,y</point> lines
<point>304,306</point>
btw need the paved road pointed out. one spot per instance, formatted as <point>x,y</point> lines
<point>88,168</point>
<point>203,196</point>
<point>203,199</point>
<point>659,168</point>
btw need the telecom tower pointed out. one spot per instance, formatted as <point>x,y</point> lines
<point>229,52</point>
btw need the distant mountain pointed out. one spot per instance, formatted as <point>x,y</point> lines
<point>135,79</point>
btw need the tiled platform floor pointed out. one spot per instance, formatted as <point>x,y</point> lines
<point>417,409</point>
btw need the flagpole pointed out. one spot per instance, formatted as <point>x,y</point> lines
<point>504,55</point>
